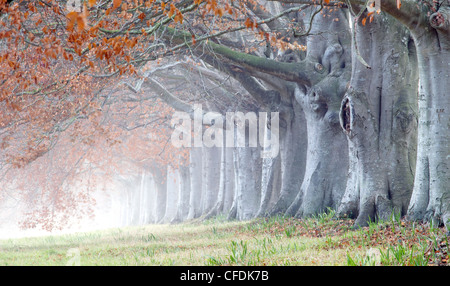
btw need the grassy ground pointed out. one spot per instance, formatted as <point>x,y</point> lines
<point>322,240</point>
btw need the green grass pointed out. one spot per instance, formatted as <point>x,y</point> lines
<point>319,240</point>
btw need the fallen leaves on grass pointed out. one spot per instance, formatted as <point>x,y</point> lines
<point>340,234</point>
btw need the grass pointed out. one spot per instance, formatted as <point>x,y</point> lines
<point>319,240</point>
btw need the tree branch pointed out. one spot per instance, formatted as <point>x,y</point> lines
<point>302,72</point>
<point>410,14</point>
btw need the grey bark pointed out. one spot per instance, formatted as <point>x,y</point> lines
<point>431,195</point>
<point>218,207</point>
<point>311,188</point>
<point>225,195</point>
<point>247,167</point>
<point>379,116</point>
<point>293,144</point>
<point>144,205</point>
<point>227,181</point>
<point>326,162</point>
<point>195,174</point>
<point>429,24</point>
<point>211,158</point>
<point>173,185</point>
<point>160,178</point>
<point>248,182</point>
<point>270,182</point>
<point>184,192</point>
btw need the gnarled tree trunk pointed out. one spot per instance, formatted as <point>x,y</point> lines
<point>327,160</point>
<point>379,116</point>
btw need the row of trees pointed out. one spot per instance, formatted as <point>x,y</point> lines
<point>362,97</point>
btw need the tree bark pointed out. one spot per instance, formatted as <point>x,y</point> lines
<point>270,182</point>
<point>227,181</point>
<point>379,116</point>
<point>326,156</point>
<point>184,192</point>
<point>211,157</point>
<point>160,177</point>
<point>431,195</point>
<point>248,182</point>
<point>173,185</point>
<point>293,143</point>
<point>195,173</point>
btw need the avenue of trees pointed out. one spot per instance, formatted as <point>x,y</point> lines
<point>88,89</point>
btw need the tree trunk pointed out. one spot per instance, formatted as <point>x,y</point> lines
<point>151,187</point>
<point>378,114</point>
<point>326,156</point>
<point>173,185</point>
<point>270,182</point>
<point>144,199</point>
<point>221,193</point>
<point>431,195</point>
<point>195,174</point>
<point>184,191</point>
<point>228,183</point>
<point>247,166</point>
<point>160,177</point>
<point>211,157</point>
<point>293,142</point>
<point>248,183</point>
<point>132,188</point>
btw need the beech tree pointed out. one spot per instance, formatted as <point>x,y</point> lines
<point>379,114</point>
<point>428,24</point>
<point>361,96</point>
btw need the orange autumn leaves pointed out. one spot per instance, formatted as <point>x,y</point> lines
<point>80,18</point>
<point>116,4</point>
<point>370,15</point>
<point>178,18</point>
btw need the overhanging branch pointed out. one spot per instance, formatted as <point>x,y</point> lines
<point>410,12</point>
